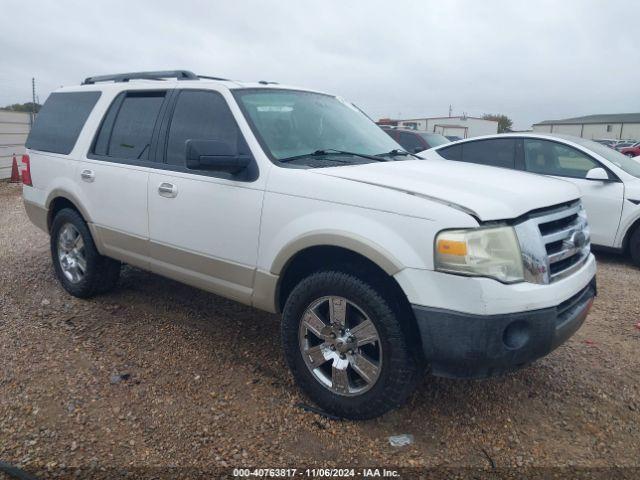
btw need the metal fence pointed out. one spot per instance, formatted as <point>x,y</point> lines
<point>14,128</point>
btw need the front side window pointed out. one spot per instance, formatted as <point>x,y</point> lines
<point>292,125</point>
<point>126,130</point>
<point>552,158</point>
<point>200,115</point>
<point>629,165</point>
<point>498,152</point>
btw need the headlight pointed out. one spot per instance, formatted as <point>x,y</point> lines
<point>485,252</point>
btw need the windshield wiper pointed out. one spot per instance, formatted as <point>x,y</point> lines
<point>328,151</point>
<point>397,152</point>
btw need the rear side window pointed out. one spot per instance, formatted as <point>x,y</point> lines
<point>499,152</point>
<point>60,121</point>
<point>453,152</point>
<point>201,115</point>
<point>127,127</point>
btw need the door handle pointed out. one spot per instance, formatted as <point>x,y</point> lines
<point>168,190</point>
<point>88,175</point>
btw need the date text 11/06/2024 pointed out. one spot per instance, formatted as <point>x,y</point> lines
<point>316,472</point>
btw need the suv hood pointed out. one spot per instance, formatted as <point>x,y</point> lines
<point>488,193</point>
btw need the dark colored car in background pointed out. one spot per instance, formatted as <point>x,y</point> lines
<point>415,141</point>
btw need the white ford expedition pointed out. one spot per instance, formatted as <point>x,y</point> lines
<point>293,201</point>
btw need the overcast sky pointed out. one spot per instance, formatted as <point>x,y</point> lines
<point>531,60</point>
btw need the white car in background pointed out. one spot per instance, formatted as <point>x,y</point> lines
<point>608,180</point>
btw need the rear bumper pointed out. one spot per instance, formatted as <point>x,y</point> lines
<point>37,214</point>
<point>462,345</point>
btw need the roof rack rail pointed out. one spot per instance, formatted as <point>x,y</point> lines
<point>125,77</point>
<point>206,77</point>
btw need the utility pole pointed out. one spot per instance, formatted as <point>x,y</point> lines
<point>450,111</point>
<point>33,101</point>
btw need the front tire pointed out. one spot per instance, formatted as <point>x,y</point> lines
<point>81,270</point>
<point>345,346</point>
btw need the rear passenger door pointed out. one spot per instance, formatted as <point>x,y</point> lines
<point>113,176</point>
<point>204,225</point>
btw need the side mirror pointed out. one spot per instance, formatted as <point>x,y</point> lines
<point>215,156</point>
<point>598,173</point>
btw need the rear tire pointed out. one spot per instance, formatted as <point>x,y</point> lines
<point>379,375</point>
<point>634,246</point>
<point>81,270</point>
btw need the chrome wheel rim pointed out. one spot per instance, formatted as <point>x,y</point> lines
<point>71,253</point>
<point>340,345</point>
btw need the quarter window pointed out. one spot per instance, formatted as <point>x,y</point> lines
<point>552,158</point>
<point>201,116</point>
<point>61,120</point>
<point>499,152</point>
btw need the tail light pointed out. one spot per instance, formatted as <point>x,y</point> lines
<point>26,172</point>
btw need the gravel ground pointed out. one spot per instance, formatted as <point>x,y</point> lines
<point>203,383</point>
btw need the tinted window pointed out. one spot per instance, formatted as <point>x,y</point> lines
<point>551,158</point>
<point>453,152</point>
<point>60,121</point>
<point>411,142</point>
<point>133,118</point>
<point>200,116</point>
<point>500,152</point>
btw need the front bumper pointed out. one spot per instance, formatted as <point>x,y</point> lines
<point>463,345</point>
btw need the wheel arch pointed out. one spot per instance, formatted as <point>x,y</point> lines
<point>628,233</point>
<point>59,199</point>
<point>320,257</point>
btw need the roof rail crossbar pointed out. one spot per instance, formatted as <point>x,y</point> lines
<point>125,77</point>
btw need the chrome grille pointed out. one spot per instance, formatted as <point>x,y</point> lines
<point>555,242</point>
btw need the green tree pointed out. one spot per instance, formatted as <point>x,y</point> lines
<point>23,107</point>
<point>504,122</point>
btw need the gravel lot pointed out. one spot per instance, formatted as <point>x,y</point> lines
<point>208,386</point>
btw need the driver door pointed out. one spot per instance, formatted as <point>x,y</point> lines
<point>204,225</point>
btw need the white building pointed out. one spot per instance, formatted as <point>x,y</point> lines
<point>463,127</point>
<point>14,128</point>
<point>613,126</point>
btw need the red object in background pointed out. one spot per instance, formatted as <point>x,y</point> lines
<point>26,172</point>
<point>638,325</point>
<point>630,151</point>
<point>15,175</point>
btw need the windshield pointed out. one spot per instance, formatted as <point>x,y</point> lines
<point>629,165</point>
<point>435,139</point>
<point>292,124</point>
